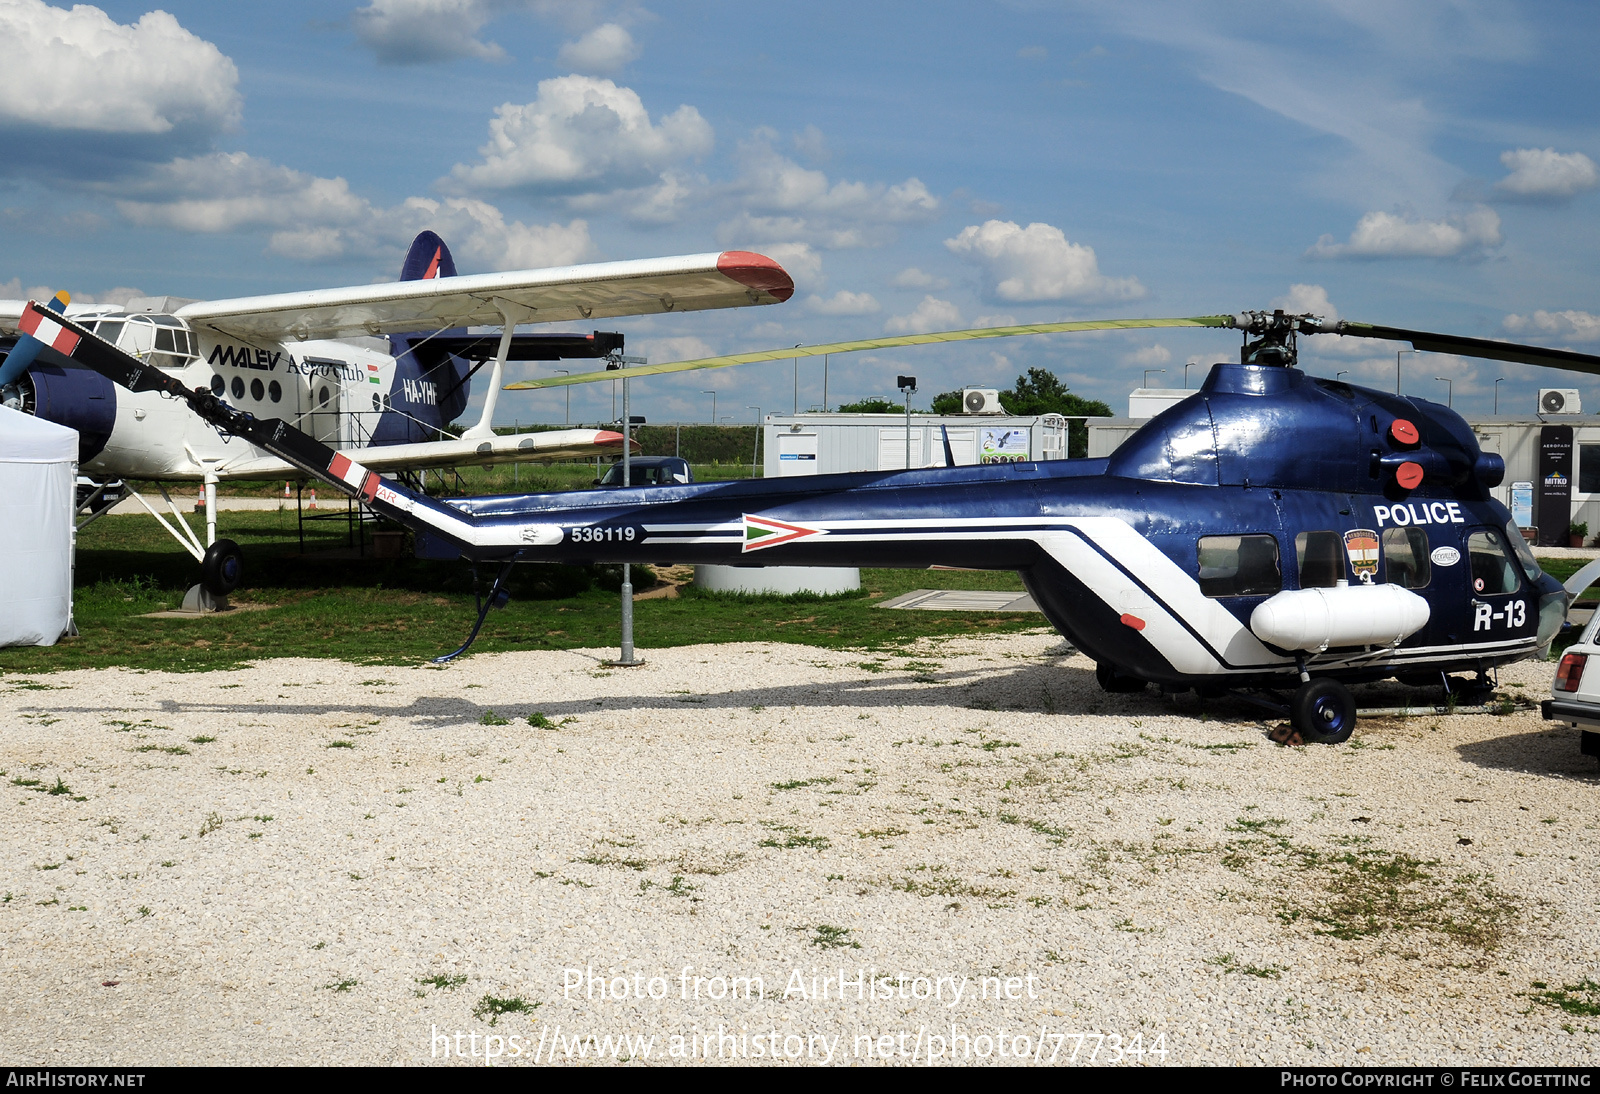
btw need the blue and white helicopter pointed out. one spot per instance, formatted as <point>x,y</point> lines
<point>1273,531</point>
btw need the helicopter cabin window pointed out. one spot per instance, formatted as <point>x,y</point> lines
<point>1405,555</point>
<point>1492,570</point>
<point>1239,566</point>
<point>1320,556</point>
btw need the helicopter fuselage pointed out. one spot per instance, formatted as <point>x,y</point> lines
<point>1155,560</point>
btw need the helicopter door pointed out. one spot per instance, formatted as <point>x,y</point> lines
<point>1495,582</point>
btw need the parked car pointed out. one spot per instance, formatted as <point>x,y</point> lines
<point>649,471</point>
<point>1575,693</point>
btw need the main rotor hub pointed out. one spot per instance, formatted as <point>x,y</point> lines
<point>1275,332</point>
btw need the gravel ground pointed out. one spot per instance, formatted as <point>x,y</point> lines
<point>315,862</point>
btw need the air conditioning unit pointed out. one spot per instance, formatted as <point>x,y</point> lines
<point>986,400</point>
<point>1559,400</point>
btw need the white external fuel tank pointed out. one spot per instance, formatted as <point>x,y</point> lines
<point>1346,615</point>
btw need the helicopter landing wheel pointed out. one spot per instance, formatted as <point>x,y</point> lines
<point>1324,710</point>
<point>1116,682</point>
<point>222,568</point>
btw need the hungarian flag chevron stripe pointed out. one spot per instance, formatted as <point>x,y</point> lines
<point>763,532</point>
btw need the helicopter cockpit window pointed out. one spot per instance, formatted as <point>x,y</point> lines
<point>1320,556</point>
<point>1405,557</point>
<point>1492,569</point>
<point>1519,547</point>
<point>1239,566</point>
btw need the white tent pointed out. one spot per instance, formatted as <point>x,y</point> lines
<point>38,475</point>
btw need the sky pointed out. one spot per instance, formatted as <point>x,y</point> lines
<point>915,166</point>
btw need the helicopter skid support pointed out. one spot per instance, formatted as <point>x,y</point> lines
<point>496,599</point>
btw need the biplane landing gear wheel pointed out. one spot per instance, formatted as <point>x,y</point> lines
<point>1324,710</point>
<point>1115,682</point>
<point>222,568</point>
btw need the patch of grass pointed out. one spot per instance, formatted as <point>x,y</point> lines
<point>883,833</point>
<point>59,788</point>
<point>1582,998</point>
<point>787,837</point>
<point>796,784</point>
<point>201,740</point>
<point>341,985</point>
<point>443,981</point>
<point>341,744</point>
<point>212,822</point>
<point>490,718</point>
<point>493,1007</point>
<point>1227,963</point>
<point>406,610</point>
<point>171,750</point>
<point>538,720</point>
<point>827,937</point>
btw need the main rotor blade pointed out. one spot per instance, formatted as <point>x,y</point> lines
<point>868,343</point>
<point>1462,346</point>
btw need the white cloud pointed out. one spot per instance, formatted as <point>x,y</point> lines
<point>1148,356</point>
<point>930,315</point>
<point>843,303</point>
<point>410,32</point>
<point>1390,235</point>
<point>811,144</point>
<point>81,70</point>
<point>583,135</point>
<point>783,200</point>
<point>1038,263</point>
<point>1577,326</point>
<point>913,278</point>
<point>662,350</point>
<point>317,219</point>
<point>1543,174</point>
<point>1307,300</point>
<point>602,51</point>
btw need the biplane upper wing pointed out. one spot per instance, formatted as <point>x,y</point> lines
<point>726,279</point>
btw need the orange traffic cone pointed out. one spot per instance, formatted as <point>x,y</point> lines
<point>313,504</point>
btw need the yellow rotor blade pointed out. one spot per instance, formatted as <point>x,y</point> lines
<point>868,343</point>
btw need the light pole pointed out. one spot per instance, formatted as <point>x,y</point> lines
<point>824,383</point>
<point>908,387</point>
<point>756,447</point>
<point>567,372</point>
<point>1336,375</point>
<point>713,395</point>
<point>797,345</point>
<point>1187,366</point>
<point>1147,373</point>
<point>1397,357</point>
<point>1449,390</point>
<point>1497,395</point>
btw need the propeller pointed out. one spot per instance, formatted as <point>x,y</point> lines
<point>1274,344</point>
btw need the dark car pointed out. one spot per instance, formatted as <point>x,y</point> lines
<point>649,471</point>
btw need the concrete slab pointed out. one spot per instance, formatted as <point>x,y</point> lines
<point>962,600</point>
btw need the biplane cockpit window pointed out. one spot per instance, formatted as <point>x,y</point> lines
<point>1492,570</point>
<point>1239,566</point>
<point>163,340</point>
<point>1320,558</point>
<point>1405,556</point>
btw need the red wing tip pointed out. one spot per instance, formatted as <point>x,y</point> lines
<point>757,272</point>
<point>606,437</point>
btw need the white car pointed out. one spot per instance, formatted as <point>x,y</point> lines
<point>1575,694</point>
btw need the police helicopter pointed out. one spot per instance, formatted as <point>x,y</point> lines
<point>1272,532</point>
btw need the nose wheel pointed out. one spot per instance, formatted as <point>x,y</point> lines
<point>1323,710</point>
